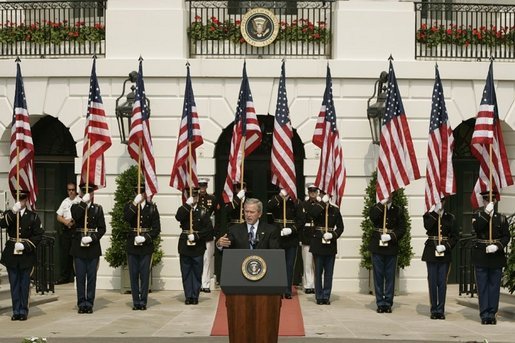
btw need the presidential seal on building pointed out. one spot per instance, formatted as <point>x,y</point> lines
<point>253,268</point>
<point>259,27</point>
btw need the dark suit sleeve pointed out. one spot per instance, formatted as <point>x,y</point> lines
<point>274,242</point>
<point>339,225</point>
<point>452,240</point>
<point>130,212</point>
<point>400,229</point>
<point>37,234</point>
<point>300,216</point>
<point>155,225</point>
<point>430,221</point>
<point>376,214</point>
<point>78,211</point>
<point>505,232</point>
<point>101,224</point>
<point>273,203</point>
<point>183,212</point>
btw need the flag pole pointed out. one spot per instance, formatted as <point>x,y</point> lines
<point>242,173</point>
<point>138,227</point>
<point>85,229</point>
<point>490,192</point>
<point>284,212</point>
<point>190,181</point>
<point>17,197</point>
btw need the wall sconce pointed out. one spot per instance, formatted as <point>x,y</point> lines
<point>376,111</point>
<point>124,111</point>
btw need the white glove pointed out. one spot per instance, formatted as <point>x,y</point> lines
<point>191,237</point>
<point>492,248</point>
<point>328,236</point>
<point>384,201</point>
<point>86,198</point>
<point>438,207</point>
<point>386,237</point>
<point>139,239</point>
<point>283,193</point>
<point>319,198</point>
<point>86,240</point>
<point>138,199</point>
<point>241,194</point>
<point>16,207</point>
<point>440,248</point>
<point>286,231</point>
<point>325,198</point>
<point>306,198</point>
<point>489,209</point>
<point>19,246</point>
<point>189,201</point>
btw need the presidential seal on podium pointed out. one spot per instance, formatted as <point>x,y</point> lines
<point>253,268</point>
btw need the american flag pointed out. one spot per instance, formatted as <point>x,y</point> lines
<point>397,165</point>
<point>97,138</point>
<point>487,132</point>
<point>331,175</point>
<point>440,180</point>
<point>22,147</point>
<point>189,137</point>
<point>282,162</point>
<point>140,135</point>
<point>246,128</point>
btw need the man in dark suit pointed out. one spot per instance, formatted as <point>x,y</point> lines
<point>253,234</point>
<point>442,236</point>
<point>140,244</point>
<point>196,228</point>
<point>488,256</point>
<point>384,246</point>
<point>19,254</point>
<point>85,249</point>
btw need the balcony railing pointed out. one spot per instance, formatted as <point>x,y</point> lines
<point>52,28</point>
<point>464,31</point>
<point>305,29</point>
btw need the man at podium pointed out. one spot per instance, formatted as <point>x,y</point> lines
<point>253,233</point>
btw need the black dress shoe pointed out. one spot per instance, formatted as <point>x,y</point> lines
<point>287,296</point>
<point>143,307</point>
<point>187,301</point>
<point>136,308</point>
<point>194,301</point>
<point>327,302</point>
<point>81,310</point>
<point>320,302</point>
<point>485,321</point>
<point>309,291</point>
<point>493,321</point>
<point>387,309</point>
<point>380,309</point>
<point>89,310</point>
<point>22,317</point>
<point>205,290</point>
<point>441,316</point>
<point>15,317</point>
<point>434,316</point>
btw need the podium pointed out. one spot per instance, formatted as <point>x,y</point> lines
<point>253,282</point>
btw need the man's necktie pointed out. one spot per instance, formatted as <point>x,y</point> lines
<point>252,238</point>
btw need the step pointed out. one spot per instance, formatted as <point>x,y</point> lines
<point>34,299</point>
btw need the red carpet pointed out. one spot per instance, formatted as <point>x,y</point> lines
<point>291,322</point>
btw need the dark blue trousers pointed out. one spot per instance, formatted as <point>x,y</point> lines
<point>437,282</point>
<point>86,276</point>
<point>291,255</point>
<point>19,280</point>
<point>191,270</point>
<point>384,278</point>
<point>324,268</point>
<point>488,281</point>
<point>139,272</point>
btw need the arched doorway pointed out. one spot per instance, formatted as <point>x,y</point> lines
<point>466,169</point>
<point>54,163</point>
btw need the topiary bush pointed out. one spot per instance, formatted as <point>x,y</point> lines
<point>116,254</point>
<point>508,279</point>
<point>405,249</point>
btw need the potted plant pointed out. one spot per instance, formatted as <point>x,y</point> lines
<point>405,248</point>
<point>116,254</point>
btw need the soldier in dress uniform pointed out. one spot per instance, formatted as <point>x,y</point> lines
<point>233,209</point>
<point>192,244</point>
<point>288,222</point>
<point>308,278</point>
<point>140,244</point>
<point>328,228</point>
<point>384,246</point>
<point>442,236</point>
<point>19,254</point>
<point>488,256</point>
<point>86,249</point>
<point>208,201</point>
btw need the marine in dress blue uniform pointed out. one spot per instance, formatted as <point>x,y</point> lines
<point>19,255</point>
<point>438,255</point>
<point>192,244</point>
<point>289,227</point>
<point>86,249</point>
<point>323,246</point>
<point>385,249</point>
<point>140,245</point>
<point>488,257</point>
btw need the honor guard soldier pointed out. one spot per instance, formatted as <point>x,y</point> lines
<point>207,201</point>
<point>328,228</point>
<point>308,278</point>
<point>488,257</point>
<point>442,236</point>
<point>384,247</point>
<point>140,244</point>
<point>85,248</point>
<point>196,228</point>
<point>288,217</point>
<point>234,209</point>
<point>19,254</point>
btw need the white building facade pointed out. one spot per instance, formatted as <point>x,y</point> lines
<point>365,34</point>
